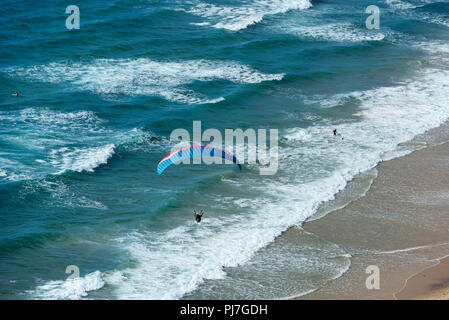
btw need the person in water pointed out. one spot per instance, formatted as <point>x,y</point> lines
<point>16,94</point>
<point>198,216</point>
<point>336,134</point>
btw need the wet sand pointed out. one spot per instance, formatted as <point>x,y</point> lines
<point>401,226</point>
<point>429,284</point>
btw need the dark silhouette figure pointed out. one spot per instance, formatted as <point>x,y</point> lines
<point>198,216</point>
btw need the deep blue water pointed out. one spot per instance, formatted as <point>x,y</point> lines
<point>80,144</point>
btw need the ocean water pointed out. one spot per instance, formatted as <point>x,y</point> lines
<point>80,145</point>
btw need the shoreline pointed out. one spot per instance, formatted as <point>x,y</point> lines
<point>407,207</point>
<point>432,283</point>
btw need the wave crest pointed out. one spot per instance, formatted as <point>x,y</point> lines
<point>248,13</point>
<point>70,289</point>
<point>146,77</point>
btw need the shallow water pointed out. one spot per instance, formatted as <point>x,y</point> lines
<point>80,145</point>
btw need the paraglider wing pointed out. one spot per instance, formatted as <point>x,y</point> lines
<point>194,152</point>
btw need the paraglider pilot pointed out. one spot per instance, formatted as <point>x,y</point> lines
<point>197,216</point>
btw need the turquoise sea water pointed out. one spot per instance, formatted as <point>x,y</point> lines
<point>80,145</point>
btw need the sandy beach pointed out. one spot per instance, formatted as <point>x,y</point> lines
<point>400,225</point>
<point>430,284</point>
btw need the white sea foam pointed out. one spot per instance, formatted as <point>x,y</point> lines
<point>70,289</point>
<point>200,24</point>
<point>399,4</point>
<point>430,18</point>
<point>114,277</point>
<point>404,249</point>
<point>64,141</point>
<point>338,32</point>
<point>45,133</point>
<point>405,5</point>
<point>45,118</point>
<point>81,159</point>
<point>297,134</point>
<point>77,288</point>
<point>328,101</point>
<point>236,18</point>
<point>13,170</point>
<point>146,77</point>
<point>440,20</point>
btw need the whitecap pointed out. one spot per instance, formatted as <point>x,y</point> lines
<point>70,289</point>
<point>399,4</point>
<point>235,18</point>
<point>338,32</point>
<point>146,77</point>
<point>81,159</point>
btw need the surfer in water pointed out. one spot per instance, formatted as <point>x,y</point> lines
<point>16,94</point>
<point>198,216</point>
<point>336,134</point>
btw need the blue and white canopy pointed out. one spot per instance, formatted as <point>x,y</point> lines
<point>195,152</point>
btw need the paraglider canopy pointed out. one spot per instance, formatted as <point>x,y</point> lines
<point>195,152</point>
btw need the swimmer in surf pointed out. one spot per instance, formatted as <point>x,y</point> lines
<point>336,134</point>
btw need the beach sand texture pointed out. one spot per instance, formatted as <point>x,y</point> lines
<point>401,225</point>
